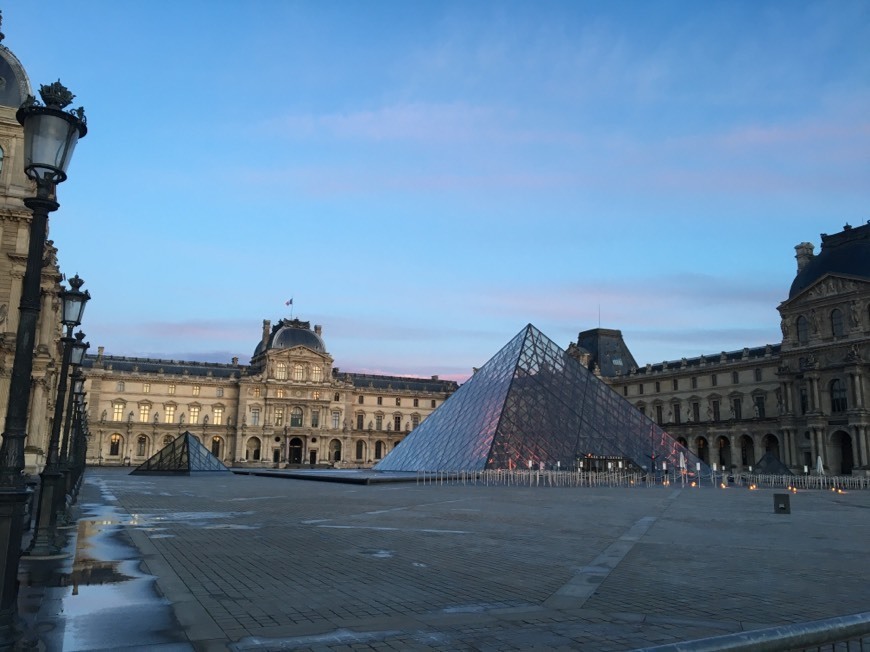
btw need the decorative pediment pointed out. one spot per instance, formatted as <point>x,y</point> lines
<point>829,285</point>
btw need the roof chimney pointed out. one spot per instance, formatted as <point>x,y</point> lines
<point>266,326</point>
<point>804,254</point>
<point>318,329</point>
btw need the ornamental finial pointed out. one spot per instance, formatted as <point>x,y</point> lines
<point>75,282</point>
<point>56,95</point>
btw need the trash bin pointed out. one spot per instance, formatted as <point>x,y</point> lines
<point>781,503</point>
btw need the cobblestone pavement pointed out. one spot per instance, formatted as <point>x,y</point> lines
<point>254,563</point>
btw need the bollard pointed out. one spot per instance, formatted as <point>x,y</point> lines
<point>781,504</point>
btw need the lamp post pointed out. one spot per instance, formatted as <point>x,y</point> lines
<point>52,486</point>
<point>50,136</point>
<point>79,347</point>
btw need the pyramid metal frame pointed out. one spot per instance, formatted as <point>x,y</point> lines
<point>182,456</point>
<point>533,403</point>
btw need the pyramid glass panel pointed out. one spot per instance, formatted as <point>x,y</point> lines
<point>183,456</point>
<point>534,404</point>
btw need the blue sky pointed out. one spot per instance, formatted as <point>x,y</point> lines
<point>426,178</point>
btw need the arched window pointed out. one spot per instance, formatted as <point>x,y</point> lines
<point>803,330</point>
<point>281,371</point>
<point>335,450</point>
<point>115,445</point>
<point>216,446</point>
<point>360,449</point>
<point>298,372</point>
<point>296,417</point>
<point>837,328</point>
<point>838,396</point>
<point>316,374</point>
<point>379,450</point>
<point>141,442</point>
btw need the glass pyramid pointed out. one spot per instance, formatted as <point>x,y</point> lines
<point>532,402</point>
<point>183,456</point>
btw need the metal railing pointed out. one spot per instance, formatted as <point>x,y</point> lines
<point>840,633</point>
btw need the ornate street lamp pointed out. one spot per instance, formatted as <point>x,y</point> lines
<point>50,136</point>
<point>52,486</point>
<point>77,379</point>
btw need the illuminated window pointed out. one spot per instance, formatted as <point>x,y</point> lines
<point>315,395</point>
<point>279,416</point>
<point>169,415</point>
<point>196,390</point>
<point>218,414</point>
<point>171,389</point>
<point>255,392</point>
<point>216,446</point>
<point>298,372</point>
<point>398,401</point>
<point>143,413</point>
<point>281,371</point>
<point>146,388</point>
<point>115,445</point>
<point>279,393</point>
<point>194,414</point>
<point>316,374</point>
<point>117,411</point>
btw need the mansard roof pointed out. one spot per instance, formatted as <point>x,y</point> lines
<point>725,357</point>
<point>397,383</point>
<point>156,366</point>
<point>846,253</point>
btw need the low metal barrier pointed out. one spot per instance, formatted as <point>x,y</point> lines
<point>840,633</point>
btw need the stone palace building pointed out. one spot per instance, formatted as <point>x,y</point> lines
<point>804,399</point>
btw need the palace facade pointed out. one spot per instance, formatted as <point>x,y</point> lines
<point>289,406</point>
<point>804,399</point>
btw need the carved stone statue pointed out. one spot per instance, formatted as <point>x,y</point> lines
<point>855,313</point>
<point>784,326</point>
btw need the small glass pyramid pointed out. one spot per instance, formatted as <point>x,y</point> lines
<point>183,456</point>
<point>533,403</point>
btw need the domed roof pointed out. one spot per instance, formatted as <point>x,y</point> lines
<point>296,333</point>
<point>14,84</point>
<point>847,253</point>
<point>288,333</point>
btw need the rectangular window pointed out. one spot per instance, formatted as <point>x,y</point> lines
<point>397,423</point>
<point>716,415</point>
<point>169,414</point>
<point>281,371</point>
<point>255,416</point>
<point>120,386</point>
<point>433,403</point>
<point>279,393</point>
<point>146,388</point>
<point>416,402</point>
<point>758,375</point>
<point>218,415</point>
<point>143,413</point>
<point>696,412</point>
<point>625,390</point>
<point>379,422</point>
<point>298,372</point>
<point>714,380</point>
<point>194,414</point>
<point>694,382</point>
<point>676,408</point>
<point>337,397</point>
<point>659,416</point>
<point>196,390</point>
<point>398,402</point>
<point>360,421</point>
<point>415,420</point>
<point>380,400</point>
<point>315,395</point>
<point>219,392</point>
<point>759,407</point>
<point>737,406</point>
<point>117,412</point>
<point>315,418</point>
<point>171,389</point>
<point>255,392</point>
<point>735,377</point>
<point>336,420</point>
<point>676,384</point>
<point>360,400</point>
<point>658,387</point>
<point>279,416</point>
<point>640,388</point>
<point>805,401</point>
